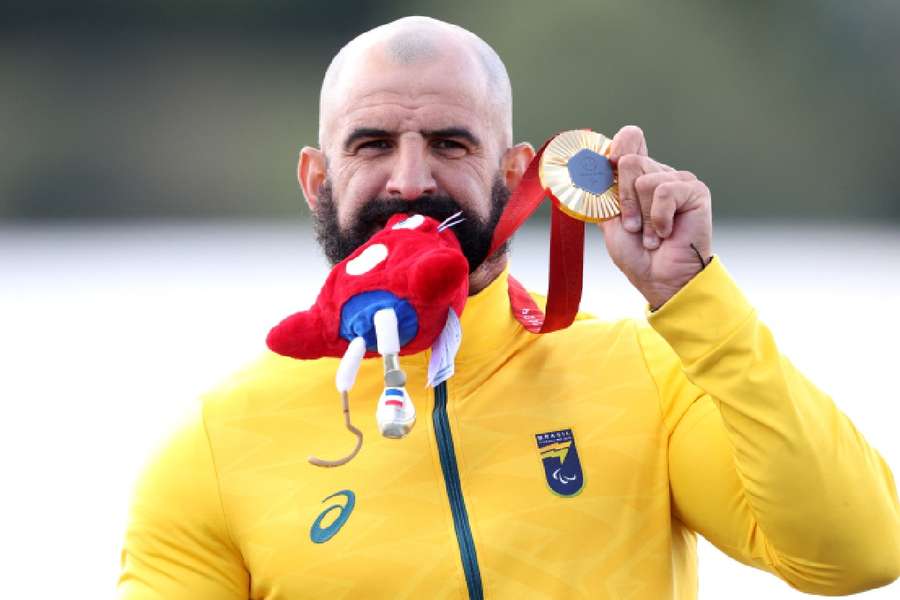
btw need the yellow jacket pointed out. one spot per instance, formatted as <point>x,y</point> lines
<point>697,424</point>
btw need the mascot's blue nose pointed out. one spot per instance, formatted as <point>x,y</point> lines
<point>357,317</point>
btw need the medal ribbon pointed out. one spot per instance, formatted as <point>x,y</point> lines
<point>566,255</point>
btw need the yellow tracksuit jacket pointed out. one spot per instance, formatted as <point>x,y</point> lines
<point>695,424</point>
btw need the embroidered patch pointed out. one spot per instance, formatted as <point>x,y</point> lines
<point>562,469</point>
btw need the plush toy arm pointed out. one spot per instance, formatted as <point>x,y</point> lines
<point>303,335</point>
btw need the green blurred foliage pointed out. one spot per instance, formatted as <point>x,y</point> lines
<point>198,108</point>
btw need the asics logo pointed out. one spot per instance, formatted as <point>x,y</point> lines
<point>319,534</point>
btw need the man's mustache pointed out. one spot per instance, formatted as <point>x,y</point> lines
<point>377,212</point>
<point>473,232</point>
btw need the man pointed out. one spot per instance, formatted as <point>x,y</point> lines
<point>695,424</point>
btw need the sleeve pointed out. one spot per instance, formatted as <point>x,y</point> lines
<point>761,463</point>
<point>177,544</point>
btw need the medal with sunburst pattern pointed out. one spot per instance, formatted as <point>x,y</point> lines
<point>575,168</point>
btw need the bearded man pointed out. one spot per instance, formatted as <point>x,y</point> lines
<point>695,424</point>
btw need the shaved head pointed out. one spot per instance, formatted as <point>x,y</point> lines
<point>414,116</point>
<point>413,41</point>
<point>410,46</point>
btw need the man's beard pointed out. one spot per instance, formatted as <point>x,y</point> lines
<point>474,235</point>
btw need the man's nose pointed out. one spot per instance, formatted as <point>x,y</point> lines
<point>411,175</point>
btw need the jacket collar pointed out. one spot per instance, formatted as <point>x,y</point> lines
<point>490,334</point>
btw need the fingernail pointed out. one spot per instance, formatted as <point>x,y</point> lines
<point>632,224</point>
<point>651,241</point>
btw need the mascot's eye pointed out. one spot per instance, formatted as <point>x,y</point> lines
<point>410,223</point>
<point>368,259</point>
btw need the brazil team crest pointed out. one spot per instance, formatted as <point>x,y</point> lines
<point>561,465</point>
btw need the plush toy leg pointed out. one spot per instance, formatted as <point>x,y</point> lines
<point>344,380</point>
<point>395,414</point>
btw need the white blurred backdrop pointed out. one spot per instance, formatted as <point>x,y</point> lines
<point>108,333</point>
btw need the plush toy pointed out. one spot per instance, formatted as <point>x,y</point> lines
<point>393,295</point>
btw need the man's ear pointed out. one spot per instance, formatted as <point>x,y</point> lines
<point>514,163</point>
<point>311,174</point>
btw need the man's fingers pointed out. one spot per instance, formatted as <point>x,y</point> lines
<point>662,210</point>
<point>670,198</point>
<point>629,140</point>
<point>634,209</point>
<point>629,169</point>
<point>645,186</point>
<point>648,182</point>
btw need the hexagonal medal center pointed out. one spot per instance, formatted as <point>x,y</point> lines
<point>590,171</point>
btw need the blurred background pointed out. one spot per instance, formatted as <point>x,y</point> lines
<point>197,109</point>
<point>151,227</point>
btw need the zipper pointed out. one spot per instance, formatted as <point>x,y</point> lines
<point>454,493</point>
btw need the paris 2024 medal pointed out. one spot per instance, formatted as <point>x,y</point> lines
<point>575,169</point>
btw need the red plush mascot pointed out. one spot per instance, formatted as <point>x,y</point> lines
<point>393,295</point>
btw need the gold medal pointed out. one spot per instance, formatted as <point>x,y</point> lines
<point>575,168</point>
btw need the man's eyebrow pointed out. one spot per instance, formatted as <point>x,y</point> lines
<point>447,132</point>
<point>363,133</point>
<point>453,132</point>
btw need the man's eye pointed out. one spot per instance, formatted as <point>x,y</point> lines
<point>451,146</point>
<point>374,145</point>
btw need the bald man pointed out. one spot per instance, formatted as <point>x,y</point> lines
<point>579,464</point>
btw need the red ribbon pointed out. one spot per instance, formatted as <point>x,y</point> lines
<point>566,255</point>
